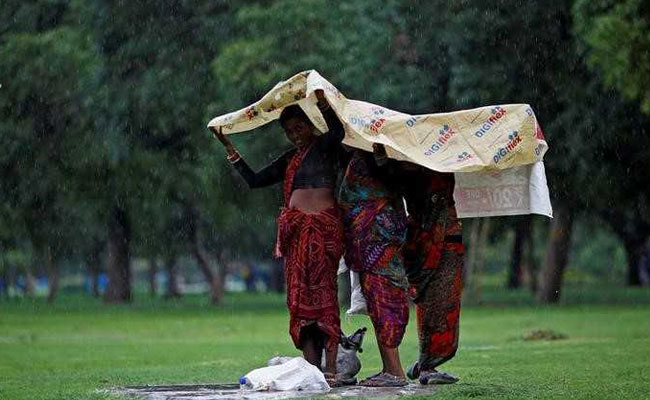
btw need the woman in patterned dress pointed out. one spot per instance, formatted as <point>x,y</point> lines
<point>375,229</point>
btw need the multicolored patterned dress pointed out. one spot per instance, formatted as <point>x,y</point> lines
<point>375,232</point>
<point>433,258</point>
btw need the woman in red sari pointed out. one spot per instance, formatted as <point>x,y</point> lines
<point>433,257</point>
<point>310,231</point>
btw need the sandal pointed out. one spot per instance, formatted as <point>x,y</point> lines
<point>384,379</point>
<point>436,378</point>
<point>413,371</point>
<point>332,380</point>
<point>347,381</point>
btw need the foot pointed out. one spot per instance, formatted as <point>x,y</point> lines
<point>347,381</point>
<point>436,378</point>
<point>333,380</point>
<point>384,379</point>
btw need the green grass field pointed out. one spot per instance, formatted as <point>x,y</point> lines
<point>70,349</point>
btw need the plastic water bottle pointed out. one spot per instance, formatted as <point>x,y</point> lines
<point>245,383</point>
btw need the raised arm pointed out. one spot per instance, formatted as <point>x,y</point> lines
<point>383,166</point>
<point>336,131</point>
<point>269,175</point>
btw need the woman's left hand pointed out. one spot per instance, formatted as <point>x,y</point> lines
<point>322,101</point>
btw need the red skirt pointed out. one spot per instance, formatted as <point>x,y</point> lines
<point>311,245</point>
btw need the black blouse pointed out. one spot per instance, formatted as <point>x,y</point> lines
<point>318,169</point>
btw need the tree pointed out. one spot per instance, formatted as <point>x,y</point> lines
<point>523,55</point>
<point>614,38</point>
<point>49,62</point>
<point>150,155</point>
<point>343,41</point>
<point>616,35</point>
<point>520,246</point>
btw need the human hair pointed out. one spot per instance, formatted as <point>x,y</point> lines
<point>292,111</point>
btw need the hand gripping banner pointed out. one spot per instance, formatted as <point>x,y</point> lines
<point>495,152</point>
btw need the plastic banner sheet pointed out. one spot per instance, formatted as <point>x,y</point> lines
<point>495,152</point>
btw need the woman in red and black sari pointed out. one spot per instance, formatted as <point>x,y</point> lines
<point>433,257</point>
<point>310,231</point>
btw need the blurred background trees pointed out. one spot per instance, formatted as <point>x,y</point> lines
<point>109,175</point>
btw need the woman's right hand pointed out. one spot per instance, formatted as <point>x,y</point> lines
<point>218,134</point>
<point>379,151</point>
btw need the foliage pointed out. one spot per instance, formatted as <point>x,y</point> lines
<point>617,34</point>
<point>104,103</point>
<point>42,116</point>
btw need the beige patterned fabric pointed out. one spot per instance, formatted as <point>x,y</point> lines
<point>495,151</point>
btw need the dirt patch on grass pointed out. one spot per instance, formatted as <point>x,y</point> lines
<point>541,334</point>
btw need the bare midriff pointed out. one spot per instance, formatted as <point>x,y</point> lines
<point>312,200</point>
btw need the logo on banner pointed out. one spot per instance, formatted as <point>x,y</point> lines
<point>513,141</point>
<point>359,121</point>
<point>444,135</point>
<point>374,125</point>
<point>251,113</point>
<point>411,121</point>
<point>377,124</point>
<point>496,114</point>
<point>464,156</point>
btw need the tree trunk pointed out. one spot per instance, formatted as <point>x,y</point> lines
<point>530,265</point>
<point>557,256</point>
<point>94,281</point>
<point>486,224</point>
<point>153,271</point>
<point>173,291</point>
<point>644,264</point>
<point>118,263</point>
<point>214,280</point>
<point>522,231</point>
<point>4,282</point>
<point>52,275</point>
<point>30,282</point>
<point>10,274</point>
<point>470,255</point>
<point>476,258</point>
<point>93,267</point>
<point>634,249</point>
<point>277,276</point>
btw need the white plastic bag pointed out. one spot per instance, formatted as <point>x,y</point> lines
<point>295,374</point>
<point>357,301</point>
<point>343,267</point>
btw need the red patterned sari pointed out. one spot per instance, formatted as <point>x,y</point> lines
<point>434,262</point>
<point>311,245</point>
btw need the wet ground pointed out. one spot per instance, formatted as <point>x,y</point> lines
<point>232,392</point>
